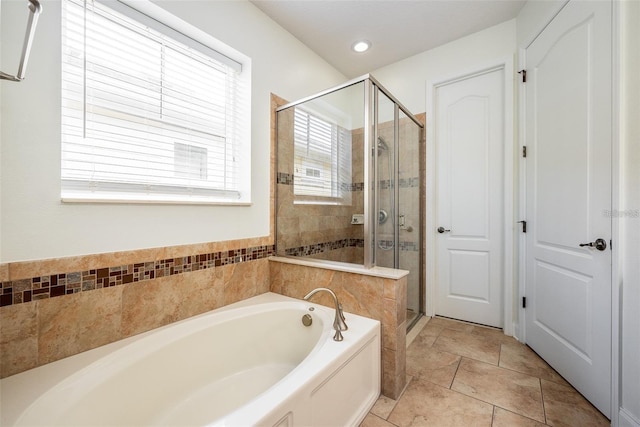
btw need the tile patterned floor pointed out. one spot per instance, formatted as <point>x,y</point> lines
<point>460,374</point>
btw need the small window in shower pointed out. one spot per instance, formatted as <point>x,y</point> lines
<point>322,160</point>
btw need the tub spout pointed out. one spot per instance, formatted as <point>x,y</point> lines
<point>338,322</point>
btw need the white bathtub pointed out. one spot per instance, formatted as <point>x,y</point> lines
<point>250,363</point>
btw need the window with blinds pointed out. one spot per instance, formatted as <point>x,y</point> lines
<point>146,116</point>
<point>322,160</point>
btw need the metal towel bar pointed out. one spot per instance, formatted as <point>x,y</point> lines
<point>35,8</point>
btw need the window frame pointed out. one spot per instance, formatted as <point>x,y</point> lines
<point>151,15</point>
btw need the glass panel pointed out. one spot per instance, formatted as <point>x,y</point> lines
<point>385,187</point>
<point>320,180</point>
<point>409,211</point>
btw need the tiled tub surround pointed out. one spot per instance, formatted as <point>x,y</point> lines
<point>372,294</point>
<point>47,328</point>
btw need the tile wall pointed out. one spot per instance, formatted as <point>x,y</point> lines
<point>57,308</point>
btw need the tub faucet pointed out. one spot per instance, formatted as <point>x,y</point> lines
<point>338,322</point>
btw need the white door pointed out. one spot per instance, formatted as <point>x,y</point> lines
<point>568,186</point>
<point>469,139</point>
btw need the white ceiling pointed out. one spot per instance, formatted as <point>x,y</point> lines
<point>397,29</point>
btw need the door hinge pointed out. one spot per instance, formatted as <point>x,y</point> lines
<point>524,151</point>
<point>524,75</point>
<point>524,302</point>
<point>524,226</point>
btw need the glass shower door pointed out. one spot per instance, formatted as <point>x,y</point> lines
<point>409,212</point>
<point>397,231</point>
<point>385,166</point>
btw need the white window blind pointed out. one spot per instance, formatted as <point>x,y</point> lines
<point>322,163</point>
<point>146,117</point>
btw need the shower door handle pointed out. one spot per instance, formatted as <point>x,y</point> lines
<point>442,230</point>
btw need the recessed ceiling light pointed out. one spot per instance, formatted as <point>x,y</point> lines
<point>361,46</point>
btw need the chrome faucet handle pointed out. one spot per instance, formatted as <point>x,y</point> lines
<point>338,321</point>
<point>342,325</point>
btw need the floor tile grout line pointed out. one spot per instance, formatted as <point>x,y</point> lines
<point>527,373</point>
<point>455,373</point>
<point>404,390</point>
<point>523,373</point>
<point>483,401</point>
<point>406,387</point>
<point>491,403</point>
<point>379,417</point>
<point>544,408</point>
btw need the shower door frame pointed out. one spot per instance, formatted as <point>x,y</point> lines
<point>373,149</point>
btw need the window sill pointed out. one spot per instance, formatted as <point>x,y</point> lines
<point>150,201</point>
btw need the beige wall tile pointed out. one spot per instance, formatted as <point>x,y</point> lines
<point>245,280</point>
<point>150,304</point>
<point>364,294</point>
<point>4,272</point>
<point>18,338</point>
<point>197,293</point>
<point>100,317</point>
<point>75,323</point>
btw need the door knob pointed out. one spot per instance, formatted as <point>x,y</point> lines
<point>442,230</point>
<point>599,244</point>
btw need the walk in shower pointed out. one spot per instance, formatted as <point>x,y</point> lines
<point>350,182</point>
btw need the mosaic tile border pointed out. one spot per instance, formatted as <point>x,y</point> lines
<point>318,248</point>
<point>27,290</point>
